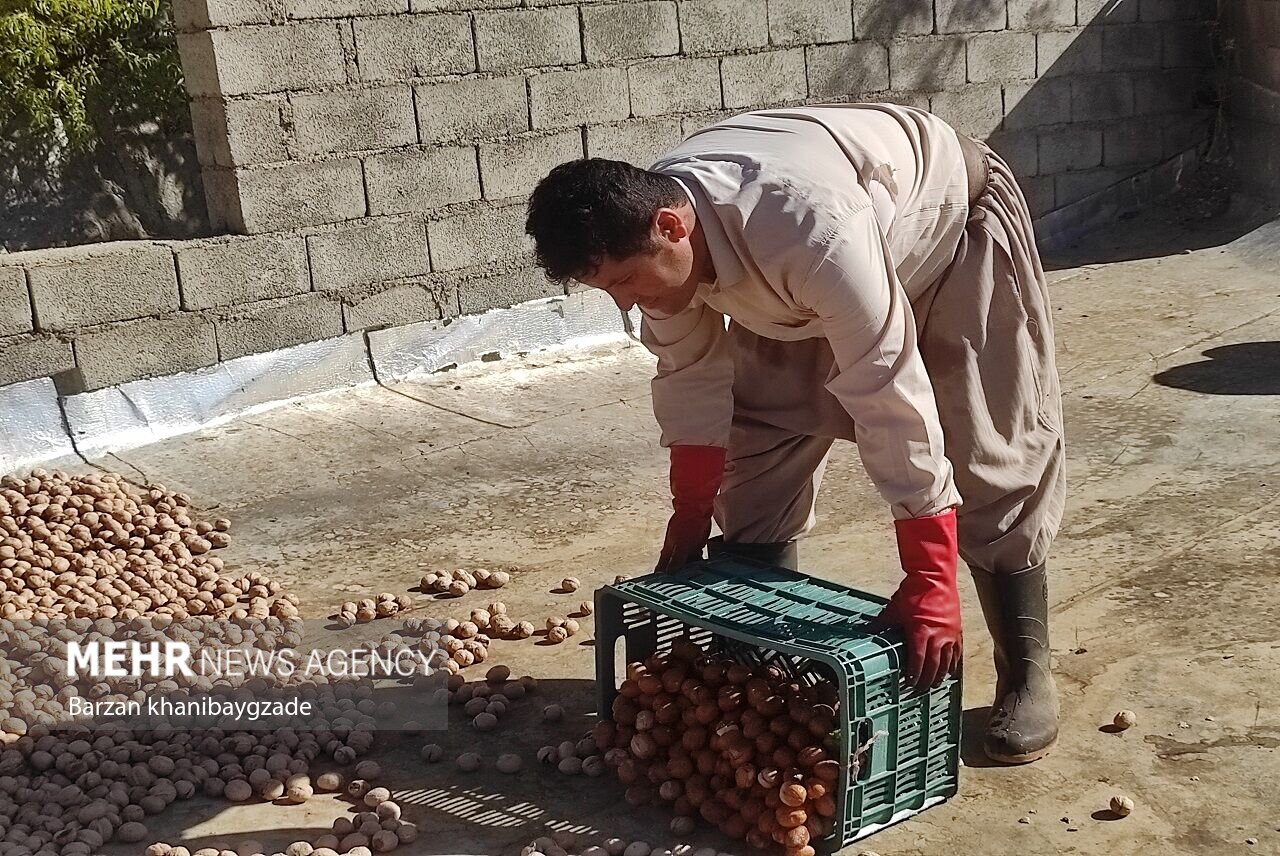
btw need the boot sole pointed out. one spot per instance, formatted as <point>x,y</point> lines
<point>1026,758</point>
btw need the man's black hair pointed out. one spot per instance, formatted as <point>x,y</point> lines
<point>587,210</point>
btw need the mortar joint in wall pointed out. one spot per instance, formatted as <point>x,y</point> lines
<point>426,239</point>
<point>417,125</point>
<point>288,127</point>
<point>471,206</point>
<point>720,78</point>
<point>479,170</point>
<point>679,31</point>
<point>311,273</point>
<point>217,341</point>
<point>630,109</point>
<point>582,35</point>
<point>483,271</point>
<point>31,299</point>
<point>364,184</point>
<point>528,99</point>
<point>350,49</point>
<point>177,278</point>
<point>475,42</point>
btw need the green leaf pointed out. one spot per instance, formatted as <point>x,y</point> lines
<point>70,68</point>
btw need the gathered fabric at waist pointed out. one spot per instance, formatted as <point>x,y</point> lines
<point>977,166</point>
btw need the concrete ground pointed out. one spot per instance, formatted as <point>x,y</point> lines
<point>1164,577</point>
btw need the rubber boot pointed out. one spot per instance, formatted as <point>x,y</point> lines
<point>1024,718</point>
<point>780,554</point>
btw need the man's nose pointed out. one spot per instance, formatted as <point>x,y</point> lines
<point>624,301</point>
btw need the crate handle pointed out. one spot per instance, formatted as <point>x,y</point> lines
<point>785,627</point>
<point>863,741</point>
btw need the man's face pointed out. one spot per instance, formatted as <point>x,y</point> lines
<point>661,280</point>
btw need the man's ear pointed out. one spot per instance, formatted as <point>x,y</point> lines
<point>669,225</point>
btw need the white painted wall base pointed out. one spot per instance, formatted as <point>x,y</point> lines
<point>34,422</point>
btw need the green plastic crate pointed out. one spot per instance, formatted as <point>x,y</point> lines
<point>814,630</point>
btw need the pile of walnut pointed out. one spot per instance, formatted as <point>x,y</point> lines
<point>485,703</point>
<point>378,828</point>
<point>458,583</point>
<point>467,642</point>
<point>66,788</point>
<point>744,749</point>
<point>95,546</point>
<point>35,686</point>
<point>92,558</point>
<point>385,606</point>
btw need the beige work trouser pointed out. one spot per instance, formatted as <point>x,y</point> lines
<point>986,335</point>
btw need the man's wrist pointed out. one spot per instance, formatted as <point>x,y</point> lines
<point>696,474</point>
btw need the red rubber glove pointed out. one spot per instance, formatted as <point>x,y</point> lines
<point>696,473</point>
<point>927,604</point>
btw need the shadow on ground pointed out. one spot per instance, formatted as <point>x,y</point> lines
<point>1249,368</point>
<point>972,722</point>
<point>1206,213</point>
<point>485,812</point>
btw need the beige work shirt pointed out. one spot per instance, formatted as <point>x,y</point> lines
<point>821,221</point>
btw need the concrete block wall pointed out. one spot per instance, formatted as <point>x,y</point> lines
<point>322,112</point>
<point>1252,48</point>
<point>102,315</point>
<point>371,158</point>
